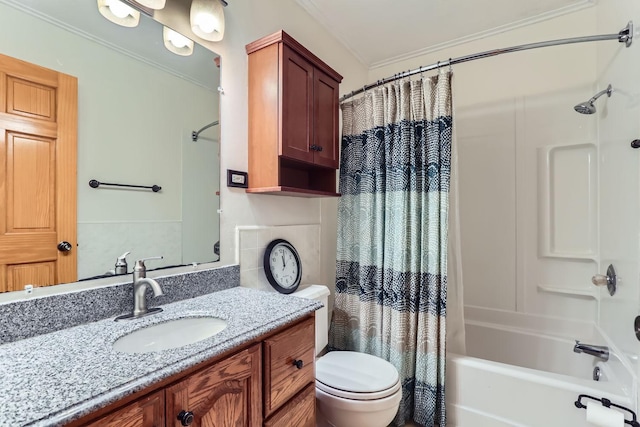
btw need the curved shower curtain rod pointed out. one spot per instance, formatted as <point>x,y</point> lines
<point>624,36</point>
<point>194,134</point>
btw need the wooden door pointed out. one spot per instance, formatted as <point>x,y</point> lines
<point>227,394</point>
<point>297,103</point>
<point>325,116</point>
<point>145,412</point>
<point>38,139</point>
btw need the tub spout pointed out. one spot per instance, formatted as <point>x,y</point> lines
<point>599,351</point>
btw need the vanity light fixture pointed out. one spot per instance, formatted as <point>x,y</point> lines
<point>207,19</point>
<point>119,13</point>
<point>152,4</point>
<point>176,42</point>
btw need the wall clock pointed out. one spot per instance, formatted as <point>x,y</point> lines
<point>282,266</point>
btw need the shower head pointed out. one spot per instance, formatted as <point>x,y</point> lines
<point>587,107</point>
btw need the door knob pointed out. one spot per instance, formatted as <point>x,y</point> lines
<point>64,246</point>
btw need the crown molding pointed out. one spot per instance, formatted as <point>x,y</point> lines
<point>314,11</point>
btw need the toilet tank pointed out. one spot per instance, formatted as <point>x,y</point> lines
<point>318,293</point>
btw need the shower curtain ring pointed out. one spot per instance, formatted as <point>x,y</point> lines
<point>450,66</point>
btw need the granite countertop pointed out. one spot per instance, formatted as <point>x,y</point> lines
<point>58,377</point>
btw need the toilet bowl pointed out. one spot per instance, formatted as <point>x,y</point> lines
<point>352,389</point>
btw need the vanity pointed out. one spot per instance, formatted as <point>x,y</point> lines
<point>257,371</point>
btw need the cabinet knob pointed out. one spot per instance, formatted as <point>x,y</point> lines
<point>185,418</point>
<point>318,148</point>
<point>298,364</point>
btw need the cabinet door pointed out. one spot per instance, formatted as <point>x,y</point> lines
<point>325,115</point>
<point>297,104</point>
<point>145,412</point>
<point>227,394</point>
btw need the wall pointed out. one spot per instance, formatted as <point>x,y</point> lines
<point>129,131</point>
<point>620,179</point>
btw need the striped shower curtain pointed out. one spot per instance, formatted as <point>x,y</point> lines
<point>391,282</point>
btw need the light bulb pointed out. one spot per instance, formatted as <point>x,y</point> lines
<point>207,19</point>
<point>119,13</point>
<point>176,42</point>
<point>207,23</point>
<point>120,9</point>
<point>177,39</point>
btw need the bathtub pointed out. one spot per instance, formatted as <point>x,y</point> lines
<point>520,370</point>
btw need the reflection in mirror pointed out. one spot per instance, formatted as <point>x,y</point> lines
<point>138,105</point>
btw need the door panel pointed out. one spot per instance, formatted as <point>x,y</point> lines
<point>297,93</point>
<point>38,142</point>
<point>326,120</point>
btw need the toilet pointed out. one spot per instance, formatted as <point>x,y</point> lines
<point>352,389</point>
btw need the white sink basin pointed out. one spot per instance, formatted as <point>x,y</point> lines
<point>172,334</point>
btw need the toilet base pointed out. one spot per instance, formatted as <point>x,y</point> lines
<point>334,411</point>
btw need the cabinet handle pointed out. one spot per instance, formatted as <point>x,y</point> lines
<point>313,147</point>
<point>298,364</point>
<point>185,418</point>
<point>318,148</point>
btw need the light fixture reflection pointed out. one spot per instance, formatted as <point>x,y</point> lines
<point>207,19</point>
<point>176,42</point>
<point>152,4</point>
<point>119,13</point>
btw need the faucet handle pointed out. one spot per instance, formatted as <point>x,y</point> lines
<point>139,266</point>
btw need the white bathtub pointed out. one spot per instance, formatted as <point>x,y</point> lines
<point>520,370</point>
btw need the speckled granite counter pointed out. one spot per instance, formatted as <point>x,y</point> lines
<point>55,378</point>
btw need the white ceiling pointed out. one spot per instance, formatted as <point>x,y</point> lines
<point>379,32</point>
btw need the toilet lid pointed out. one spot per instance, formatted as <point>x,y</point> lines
<point>354,372</point>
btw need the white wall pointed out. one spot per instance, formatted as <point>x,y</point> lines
<point>619,119</point>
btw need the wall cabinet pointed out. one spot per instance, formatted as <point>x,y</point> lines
<point>230,392</point>
<point>293,119</point>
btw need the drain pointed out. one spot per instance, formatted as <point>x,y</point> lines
<point>596,374</point>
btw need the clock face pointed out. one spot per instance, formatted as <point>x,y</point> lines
<point>282,267</point>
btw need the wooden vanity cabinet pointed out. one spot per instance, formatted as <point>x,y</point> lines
<point>293,119</point>
<point>229,391</point>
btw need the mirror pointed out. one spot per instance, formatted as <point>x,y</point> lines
<point>138,105</point>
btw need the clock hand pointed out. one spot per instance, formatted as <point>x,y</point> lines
<point>284,265</point>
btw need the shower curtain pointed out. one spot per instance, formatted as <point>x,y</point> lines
<point>391,279</point>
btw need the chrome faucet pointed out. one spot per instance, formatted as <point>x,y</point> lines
<point>599,351</point>
<point>140,283</point>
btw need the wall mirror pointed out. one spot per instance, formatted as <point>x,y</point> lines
<point>138,105</point>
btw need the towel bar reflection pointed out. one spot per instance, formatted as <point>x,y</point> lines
<point>95,184</point>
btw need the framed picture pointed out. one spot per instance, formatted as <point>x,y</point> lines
<point>237,179</point>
